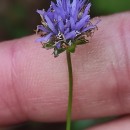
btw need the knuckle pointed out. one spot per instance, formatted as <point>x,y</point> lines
<point>15,79</point>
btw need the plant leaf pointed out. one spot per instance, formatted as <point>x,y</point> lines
<point>71,48</point>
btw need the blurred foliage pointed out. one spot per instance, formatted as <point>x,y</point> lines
<point>19,18</point>
<point>83,124</point>
<point>103,7</point>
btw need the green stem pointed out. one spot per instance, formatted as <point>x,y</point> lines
<point>68,125</point>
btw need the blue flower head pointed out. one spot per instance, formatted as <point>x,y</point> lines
<point>65,25</point>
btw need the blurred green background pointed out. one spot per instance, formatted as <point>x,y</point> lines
<point>19,18</point>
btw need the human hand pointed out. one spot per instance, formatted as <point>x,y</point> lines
<point>33,84</point>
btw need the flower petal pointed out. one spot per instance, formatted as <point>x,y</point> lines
<point>58,45</point>
<point>61,12</point>
<point>68,6</point>
<point>74,4</point>
<point>66,31</point>
<point>50,15</point>
<point>44,38</point>
<point>60,24</point>
<point>72,22</point>
<point>59,3</point>
<point>82,3</point>
<point>68,24</point>
<point>70,35</point>
<point>88,28</point>
<point>42,28</point>
<point>87,10</point>
<point>82,22</point>
<point>41,12</point>
<point>64,4</point>
<point>50,24</point>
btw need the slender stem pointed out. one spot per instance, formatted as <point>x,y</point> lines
<point>68,125</point>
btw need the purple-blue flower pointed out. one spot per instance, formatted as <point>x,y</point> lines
<point>64,25</point>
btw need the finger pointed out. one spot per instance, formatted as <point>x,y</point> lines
<point>34,84</point>
<point>120,124</point>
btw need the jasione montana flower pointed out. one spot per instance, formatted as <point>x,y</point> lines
<point>64,25</point>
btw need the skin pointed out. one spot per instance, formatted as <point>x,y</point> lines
<point>34,84</point>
